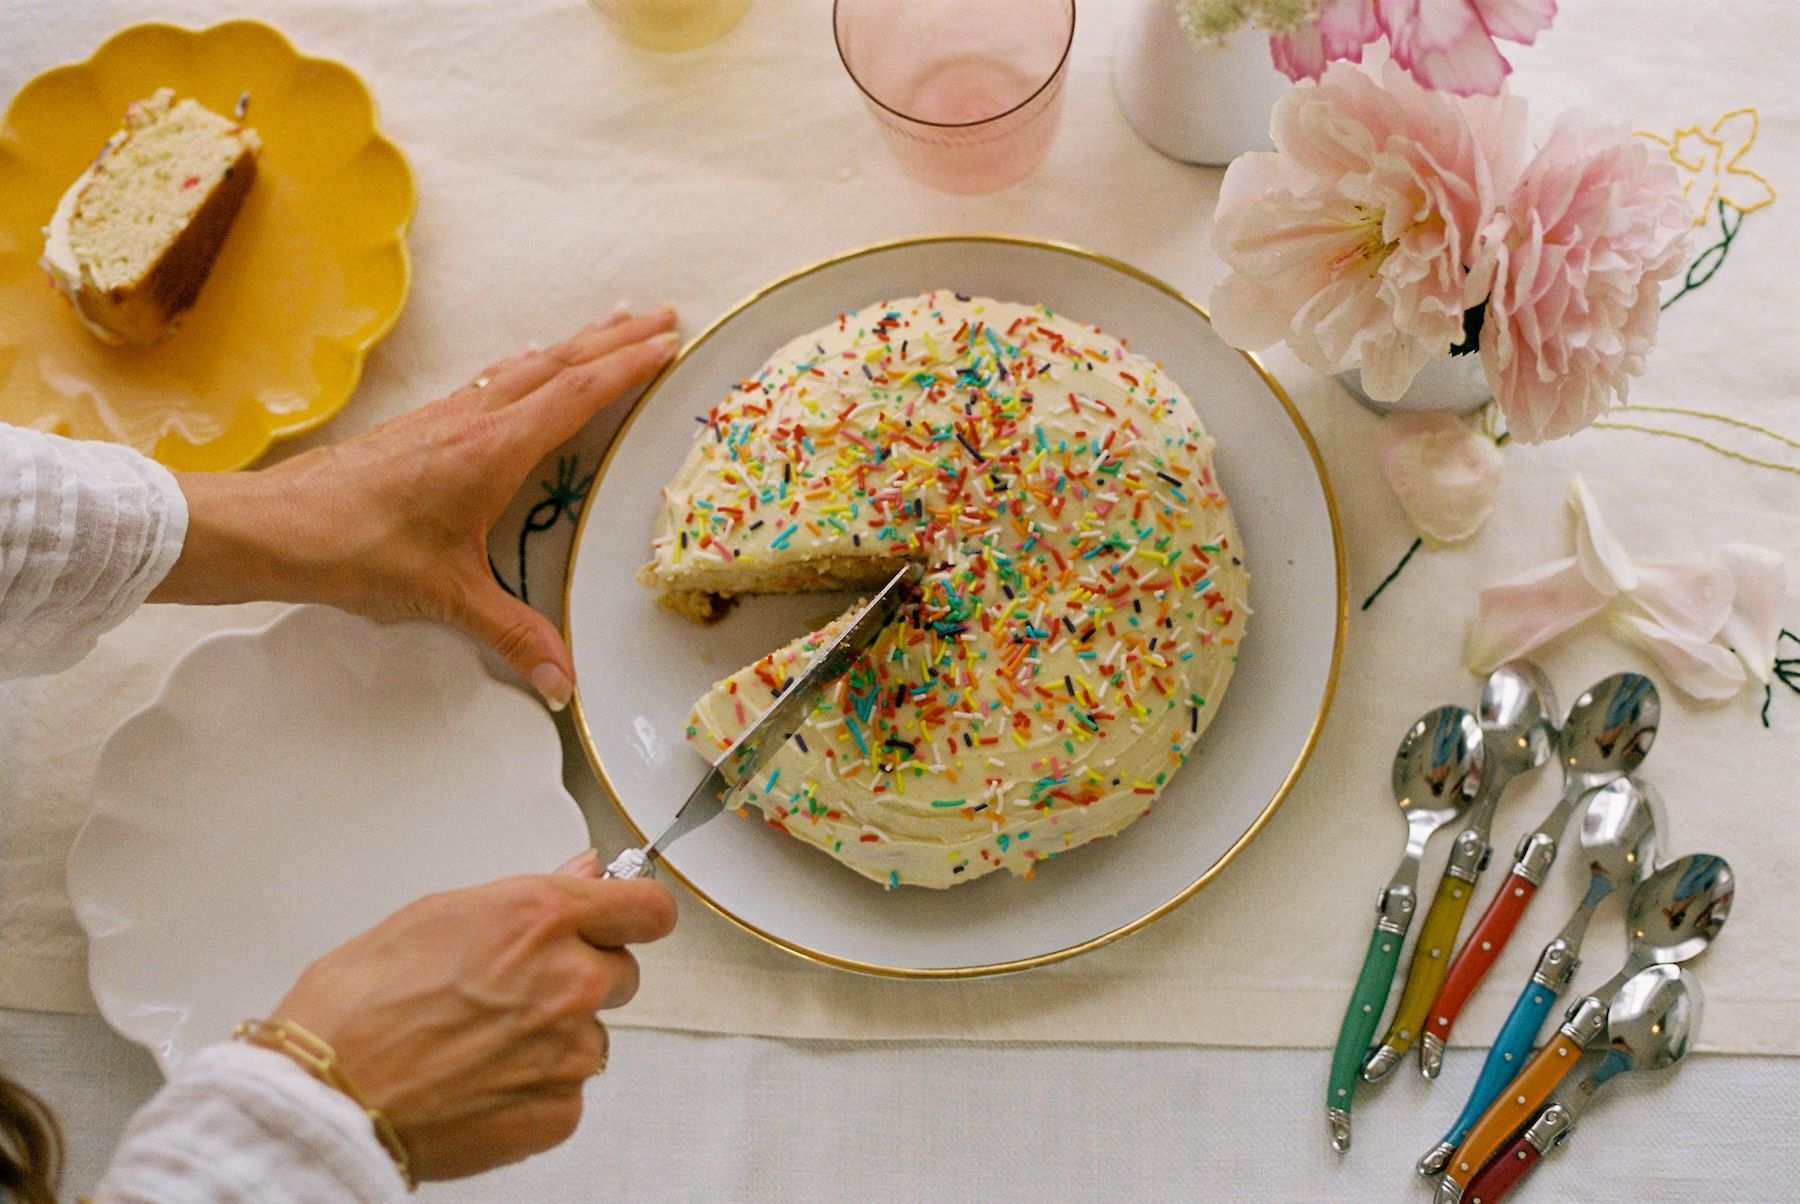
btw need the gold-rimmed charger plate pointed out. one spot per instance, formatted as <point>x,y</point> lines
<point>642,668</point>
<point>314,272</point>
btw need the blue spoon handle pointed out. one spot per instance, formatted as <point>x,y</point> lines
<point>1507,1056</point>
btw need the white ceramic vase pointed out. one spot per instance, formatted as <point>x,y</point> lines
<point>1199,105</point>
<point>1455,384</point>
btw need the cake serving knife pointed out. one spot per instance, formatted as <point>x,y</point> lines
<point>752,750</point>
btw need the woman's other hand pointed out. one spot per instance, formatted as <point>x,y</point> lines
<point>394,522</point>
<point>468,1017</point>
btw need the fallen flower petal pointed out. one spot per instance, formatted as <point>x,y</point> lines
<point>1691,598</point>
<point>1445,472</point>
<point>1699,668</point>
<point>1759,578</point>
<point>1530,610</point>
<point>1604,560</point>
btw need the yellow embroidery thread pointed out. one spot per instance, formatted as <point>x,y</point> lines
<point>1609,425</point>
<point>1725,418</point>
<point>1709,163</point>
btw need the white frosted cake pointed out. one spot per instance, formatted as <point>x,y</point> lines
<point>1082,611</point>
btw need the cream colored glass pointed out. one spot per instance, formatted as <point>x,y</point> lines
<point>672,24</point>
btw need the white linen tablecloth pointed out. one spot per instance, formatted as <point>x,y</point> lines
<point>684,1117</point>
<point>561,171</point>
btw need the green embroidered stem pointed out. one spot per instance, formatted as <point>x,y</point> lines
<point>563,498</point>
<point>1706,265</point>
<point>1787,672</point>
<point>1389,579</point>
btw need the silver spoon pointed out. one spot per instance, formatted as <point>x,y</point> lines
<point>1618,834</point>
<point>1437,770</point>
<point>1649,1026</point>
<point>1607,734</point>
<point>1673,916</point>
<point>1518,731</point>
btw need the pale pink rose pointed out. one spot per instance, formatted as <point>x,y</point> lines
<point>1445,44</point>
<point>1339,30</point>
<point>1577,257</point>
<point>1350,240</point>
<point>1444,471</point>
<point>1449,44</point>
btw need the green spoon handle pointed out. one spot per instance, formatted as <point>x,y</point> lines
<point>1367,1002</point>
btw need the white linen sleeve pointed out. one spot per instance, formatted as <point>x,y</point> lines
<point>87,530</point>
<point>242,1123</point>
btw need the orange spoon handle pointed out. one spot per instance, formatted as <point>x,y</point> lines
<point>1523,1098</point>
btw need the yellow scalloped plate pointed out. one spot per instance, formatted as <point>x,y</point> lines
<point>314,272</point>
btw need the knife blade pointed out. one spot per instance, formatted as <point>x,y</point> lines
<point>760,742</point>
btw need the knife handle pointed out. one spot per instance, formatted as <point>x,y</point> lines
<point>1479,953</point>
<point>1430,961</point>
<point>1508,1053</point>
<point>632,863</point>
<point>1523,1099</point>
<point>1499,1176</point>
<point>1367,1002</point>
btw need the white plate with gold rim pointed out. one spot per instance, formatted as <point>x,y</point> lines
<point>642,667</point>
<point>287,788</point>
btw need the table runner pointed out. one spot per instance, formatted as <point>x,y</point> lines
<point>561,171</point>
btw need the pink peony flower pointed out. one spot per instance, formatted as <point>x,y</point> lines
<point>1350,240</point>
<point>1445,44</point>
<point>1577,257</point>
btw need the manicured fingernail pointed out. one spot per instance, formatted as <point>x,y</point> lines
<point>577,863</point>
<point>549,681</point>
<point>618,313</point>
<point>666,342</point>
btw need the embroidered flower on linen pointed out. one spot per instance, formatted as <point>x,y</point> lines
<point>1351,240</point>
<point>1710,623</point>
<point>1710,164</point>
<point>1577,256</point>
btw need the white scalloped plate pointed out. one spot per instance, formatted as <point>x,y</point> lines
<point>287,788</point>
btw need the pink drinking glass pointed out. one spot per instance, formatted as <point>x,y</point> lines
<point>967,92</point>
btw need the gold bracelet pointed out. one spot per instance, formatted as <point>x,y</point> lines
<point>321,1061</point>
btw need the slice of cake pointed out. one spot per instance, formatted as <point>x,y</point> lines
<point>135,236</point>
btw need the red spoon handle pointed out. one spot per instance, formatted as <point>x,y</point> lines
<point>1479,953</point>
<point>1497,1178</point>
